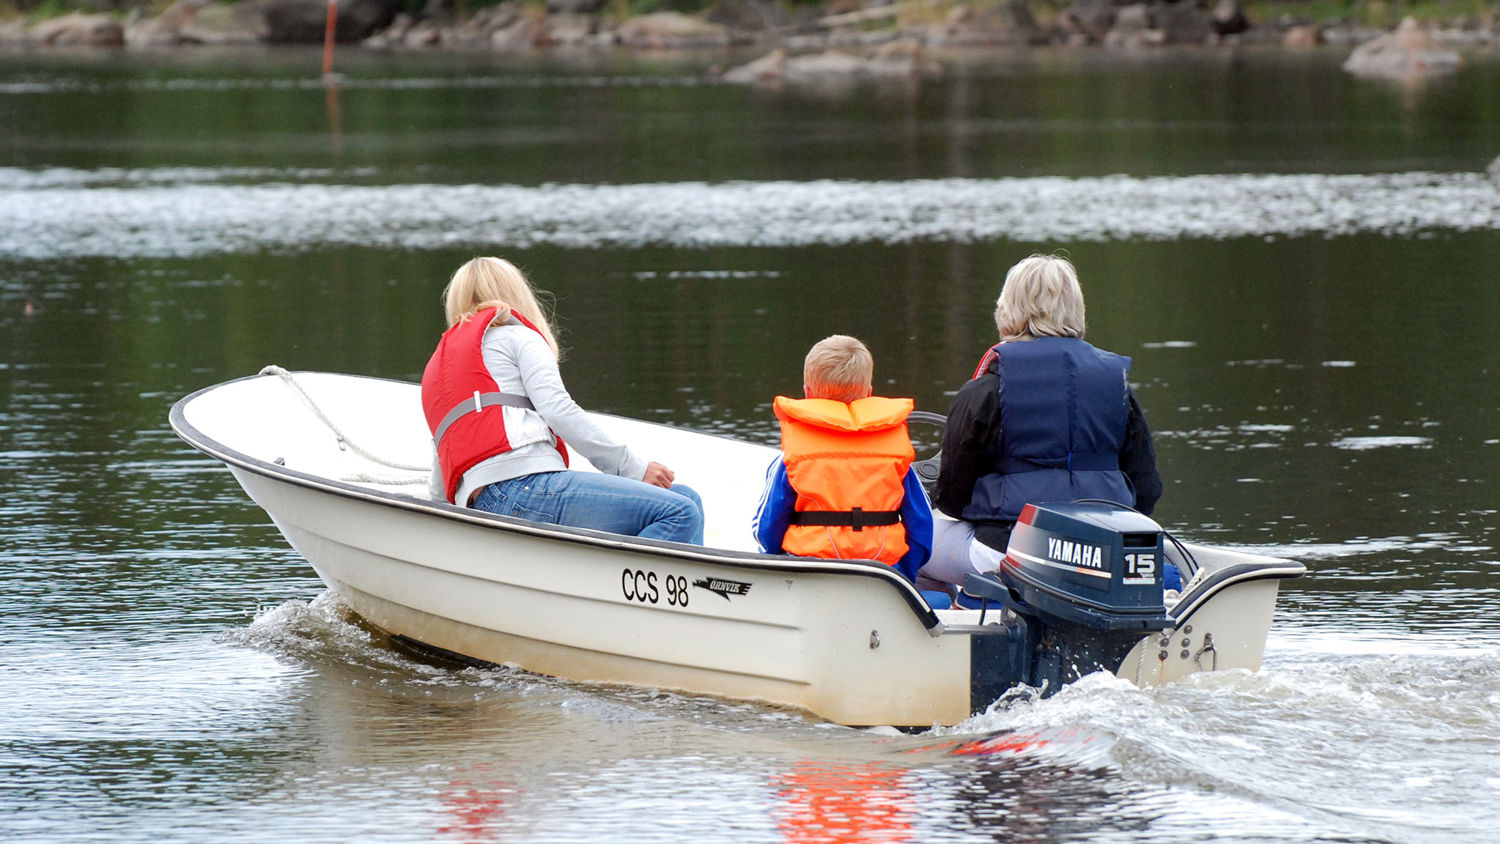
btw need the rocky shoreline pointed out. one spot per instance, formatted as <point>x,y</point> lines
<point>886,39</point>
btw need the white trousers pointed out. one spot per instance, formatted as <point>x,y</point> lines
<point>955,553</point>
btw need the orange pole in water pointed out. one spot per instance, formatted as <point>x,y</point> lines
<point>333,17</point>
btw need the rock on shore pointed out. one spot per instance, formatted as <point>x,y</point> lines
<point>896,60</point>
<point>817,40</point>
<point>77,30</point>
<point>1409,52</point>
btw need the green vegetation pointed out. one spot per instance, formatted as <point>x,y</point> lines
<point>1379,14</point>
<point>39,10</point>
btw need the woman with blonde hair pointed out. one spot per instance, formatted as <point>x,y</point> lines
<point>502,422</point>
<point>1046,417</point>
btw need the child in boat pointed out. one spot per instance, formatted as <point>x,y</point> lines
<point>843,486</point>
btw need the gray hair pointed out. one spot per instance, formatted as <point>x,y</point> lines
<point>1041,298</point>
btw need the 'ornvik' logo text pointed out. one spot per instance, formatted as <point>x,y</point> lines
<point>723,588</point>
<point>1076,553</point>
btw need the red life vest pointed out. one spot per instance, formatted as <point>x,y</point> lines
<point>988,358</point>
<point>456,389</point>
<point>847,463</point>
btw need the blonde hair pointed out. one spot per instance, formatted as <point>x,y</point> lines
<point>494,283</point>
<point>839,368</point>
<point>1041,298</point>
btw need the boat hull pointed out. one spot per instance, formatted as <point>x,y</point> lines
<point>614,611</point>
<point>1220,622</point>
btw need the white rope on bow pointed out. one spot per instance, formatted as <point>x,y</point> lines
<point>344,439</point>
<point>386,480</point>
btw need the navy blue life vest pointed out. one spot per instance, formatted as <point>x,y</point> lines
<point>1064,408</point>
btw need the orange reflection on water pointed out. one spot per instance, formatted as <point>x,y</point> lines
<point>474,806</point>
<point>836,804</point>
<point>335,113</point>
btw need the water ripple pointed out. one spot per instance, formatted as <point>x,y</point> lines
<point>142,215</point>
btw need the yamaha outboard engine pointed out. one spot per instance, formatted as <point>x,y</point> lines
<point>1081,583</point>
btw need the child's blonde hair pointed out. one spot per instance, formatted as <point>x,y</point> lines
<point>839,368</point>
<point>1041,298</point>
<point>494,283</point>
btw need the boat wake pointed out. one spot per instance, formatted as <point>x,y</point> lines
<point>1211,752</point>
<point>1271,741</point>
<point>324,635</point>
<point>323,631</point>
<point>191,212</point>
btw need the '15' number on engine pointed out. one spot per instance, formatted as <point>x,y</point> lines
<point>1140,567</point>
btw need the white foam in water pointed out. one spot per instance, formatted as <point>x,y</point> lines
<point>12,179</point>
<point>143,213</point>
<point>1367,443</point>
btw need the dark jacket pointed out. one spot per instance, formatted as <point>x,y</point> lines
<point>1050,419</point>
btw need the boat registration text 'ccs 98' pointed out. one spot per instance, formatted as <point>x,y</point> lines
<point>647,588</point>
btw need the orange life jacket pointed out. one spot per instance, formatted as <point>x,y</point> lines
<point>456,389</point>
<point>847,463</point>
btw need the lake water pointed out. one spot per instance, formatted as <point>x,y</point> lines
<point>1302,265</point>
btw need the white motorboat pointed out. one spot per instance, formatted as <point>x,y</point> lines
<point>338,462</point>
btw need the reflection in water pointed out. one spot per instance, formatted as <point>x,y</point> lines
<point>1027,802</point>
<point>335,114</point>
<point>824,803</point>
<point>473,803</point>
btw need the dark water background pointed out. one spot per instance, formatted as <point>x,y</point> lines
<point>1302,265</point>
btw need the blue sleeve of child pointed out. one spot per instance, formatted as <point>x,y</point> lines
<point>916,517</point>
<point>777,501</point>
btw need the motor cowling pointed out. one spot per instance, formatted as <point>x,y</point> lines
<point>1082,583</point>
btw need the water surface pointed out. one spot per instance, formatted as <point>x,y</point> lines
<point>1301,265</point>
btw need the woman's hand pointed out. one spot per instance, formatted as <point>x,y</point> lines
<point>658,475</point>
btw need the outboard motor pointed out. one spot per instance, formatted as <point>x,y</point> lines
<point>1081,583</point>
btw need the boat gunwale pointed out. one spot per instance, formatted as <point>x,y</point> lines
<point>728,558</point>
<point>1219,580</point>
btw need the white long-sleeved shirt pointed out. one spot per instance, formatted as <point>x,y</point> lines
<point>522,364</point>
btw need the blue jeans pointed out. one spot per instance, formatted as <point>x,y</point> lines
<point>600,502</point>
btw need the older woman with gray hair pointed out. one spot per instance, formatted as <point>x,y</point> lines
<point>1046,418</point>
